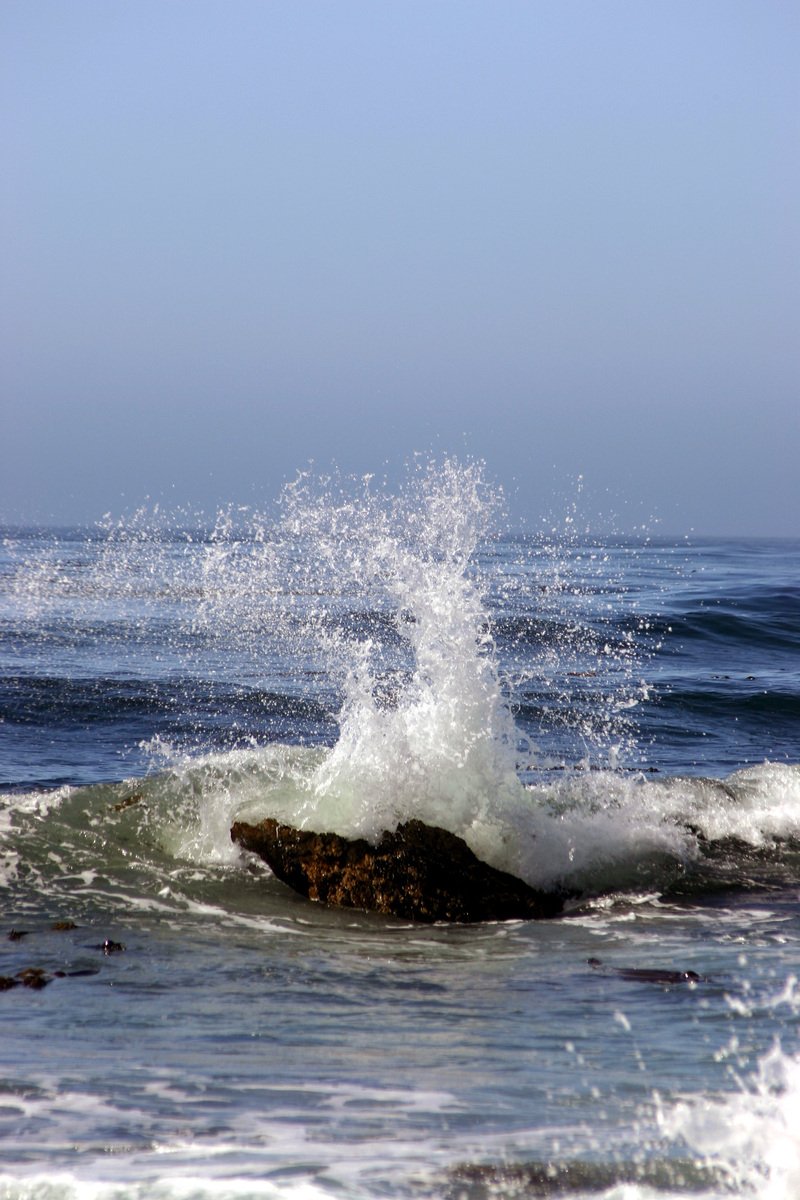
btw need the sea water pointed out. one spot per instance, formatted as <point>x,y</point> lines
<point>617,717</point>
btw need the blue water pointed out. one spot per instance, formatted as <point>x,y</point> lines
<point>618,715</point>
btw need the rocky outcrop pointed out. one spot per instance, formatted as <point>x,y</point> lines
<point>418,872</point>
<point>30,977</point>
<point>37,978</point>
<point>648,974</point>
<point>538,1180</point>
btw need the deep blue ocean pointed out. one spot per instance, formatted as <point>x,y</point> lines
<point>617,716</point>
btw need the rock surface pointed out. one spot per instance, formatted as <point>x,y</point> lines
<point>30,977</point>
<point>648,974</point>
<point>418,872</point>
<point>567,1178</point>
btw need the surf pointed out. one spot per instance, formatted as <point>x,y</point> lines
<point>387,620</point>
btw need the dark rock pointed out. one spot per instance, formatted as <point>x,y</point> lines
<point>560,1179</point>
<point>30,977</point>
<point>63,926</point>
<point>33,977</point>
<point>16,935</point>
<point>109,947</point>
<point>651,974</point>
<point>419,873</point>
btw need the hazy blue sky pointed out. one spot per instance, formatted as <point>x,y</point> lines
<point>560,235</point>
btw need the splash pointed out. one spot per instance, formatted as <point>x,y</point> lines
<point>423,732</point>
<point>412,656</point>
<point>419,666</point>
<point>375,600</point>
<point>750,1138</point>
<point>391,604</point>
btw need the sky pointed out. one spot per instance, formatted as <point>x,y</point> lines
<point>559,236</point>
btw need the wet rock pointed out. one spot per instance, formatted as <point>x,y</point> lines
<point>63,926</point>
<point>418,872</point>
<point>561,1179</point>
<point>128,802</point>
<point>33,977</point>
<point>649,974</point>
<point>16,935</point>
<point>30,977</point>
<point>109,947</point>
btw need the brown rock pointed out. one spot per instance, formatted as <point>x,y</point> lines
<point>419,872</point>
<point>128,802</point>
<point>33,977</point>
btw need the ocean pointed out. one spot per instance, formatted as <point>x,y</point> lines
<point>614,716</point>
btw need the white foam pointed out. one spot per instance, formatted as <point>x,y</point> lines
<point>65,1185</point>
<point>441,749</point>
<point>593,831</point>
<point>36,804</point>
<point>751,1137</point>
<point>443,746</point>
<point>282,1155</point>
<point>606,829</point>
<point>424,730</point>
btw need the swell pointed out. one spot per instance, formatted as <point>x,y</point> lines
<point>164,841</point>
<point>767,624</point>
<point>56,730</point>
<point>25,699</point>
<point>735,700</point>
<point>758,623</point>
